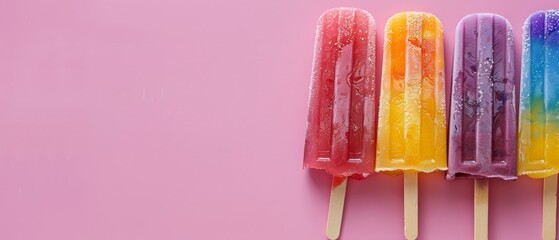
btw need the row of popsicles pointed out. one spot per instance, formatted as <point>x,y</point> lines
<point>348,137</point>
<point>342,134</point>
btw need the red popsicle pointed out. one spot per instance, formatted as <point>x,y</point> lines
<point>342,120</point>
<point>341,125</point>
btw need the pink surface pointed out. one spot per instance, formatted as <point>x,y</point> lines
<point>178,119</point>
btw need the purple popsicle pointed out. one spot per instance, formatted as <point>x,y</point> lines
<point>482,137</point>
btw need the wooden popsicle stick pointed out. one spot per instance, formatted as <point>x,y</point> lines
<point>336,208</point>
<point>410,205</point>
<point>549,207</point>
<point>481,207</point>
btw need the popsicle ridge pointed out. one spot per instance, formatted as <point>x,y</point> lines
<point>482,137</point>
<point>539,97</point>
<point>412,117</point>
<point>341,121</point>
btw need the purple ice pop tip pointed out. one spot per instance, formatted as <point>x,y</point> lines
<point>542,23</point>
<point>482,132</point>
<point>534,20</point>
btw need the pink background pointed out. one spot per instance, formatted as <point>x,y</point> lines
<point>173,119</point>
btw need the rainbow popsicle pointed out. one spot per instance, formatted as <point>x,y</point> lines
<point>341,121</point>
<point>412,115</point>
<point>482,132</point>
<point>538,140</point>
<point>538,132</point>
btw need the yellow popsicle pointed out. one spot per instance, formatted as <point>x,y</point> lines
<point>412,115</point>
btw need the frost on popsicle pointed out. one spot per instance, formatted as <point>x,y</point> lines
<point>482,135</point>
<point>538,138</point>
<point>412,116</point>
<point>341,120</point>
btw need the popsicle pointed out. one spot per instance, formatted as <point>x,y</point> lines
<point>538,134</point>
<point>412,115</point>
<point>342,120</point>
<point>482,136</point>
<point>482,132</point>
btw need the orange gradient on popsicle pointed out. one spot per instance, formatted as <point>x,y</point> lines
<point>412,115</point>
